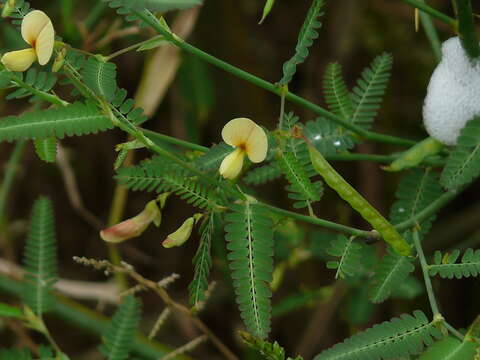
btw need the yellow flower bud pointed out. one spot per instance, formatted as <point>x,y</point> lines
<point>248,139</point>
<point>182,234</point>
<point>37,30</point>
<point>135,226</point>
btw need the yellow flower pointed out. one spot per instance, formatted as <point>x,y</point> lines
<point>247,138</point>
<point>37,30</point>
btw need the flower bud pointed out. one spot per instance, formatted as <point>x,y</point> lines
<point>182,234</point>
<point>135,226</point>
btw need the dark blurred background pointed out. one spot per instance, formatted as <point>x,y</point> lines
<point>199,101</point>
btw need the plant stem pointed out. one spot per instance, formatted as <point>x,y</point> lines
<point>454,331</point>
<point>431,33</point>
<point>419,4</point>
<point>11,169</point>
<point>320,222</point>
<point>41,94</point>
<point>172,140</point>
<point>370,135</point>
<point>426,277</point>
<point>429,210</point>
<point>466,28</point>
<point>130,48</point>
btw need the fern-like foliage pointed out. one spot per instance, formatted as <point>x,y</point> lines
<point>392,271</point>
<point>269,351</point>
<point>31,83</point>
<point>119,336</point>
<point>308,33</point>
<point>327,138</point>
<point>22,8</point>
<point>46,149</point>
<point>202,262</point>
<point>263,174</point>
<point>350,254</point>
<point>450,348</point>
<point>336,92</point>
<point>446,265</point>
<point>250,242</point>
<point>418,189</point>
<point>463,164</point>
<point>301,189</point>
<point>40,258</point>
<point>72,120</point>
<point>213,157</point>
<point>101,77</point>
<point>161,176</point>
<point>122,8</point>
<point>367,94</point>
<point>398,337</point>
<point>126,106</point>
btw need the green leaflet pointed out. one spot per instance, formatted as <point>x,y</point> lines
<point>392,271</point>
<point>307,34</point>
<point>326,137</point>
<point>31,83</point>
<point>46,149</point>
<point>300,300</point>
<point>22,7</point>
<point>418,189</point>
<point>160,5</point>
<point>202,262</point>
<point>212,159</point>
<point>10,311</point>
<point>159,175</point>
<point>101,77</point>
<point>118,338</point>
<point>367,94</point>
<point>336,92</point>
<point>446,265</point>
<point>263,174</point>
<point>15,354</point>
<point>463,165</point>
<point>250,244</point>
<point>402,336</point>
<point>266,10</point>
<point>71,120</point>
<point>268,350</point>
<point>301,189</point>
<point>40,258</point>
<point>126,106</point>
<point>350,254</point>
<point>450,348</point>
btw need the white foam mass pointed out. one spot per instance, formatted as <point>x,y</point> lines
<point>453,94</point>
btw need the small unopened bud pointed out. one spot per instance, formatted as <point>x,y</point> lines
<point>8,8</point>
<point>135,226</point>
<point>182,234</point>
<point>59,60</point>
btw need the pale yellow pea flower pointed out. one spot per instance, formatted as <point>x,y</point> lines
<point>247,138</point>
<point>37,30</point>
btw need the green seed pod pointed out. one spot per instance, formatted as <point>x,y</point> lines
<point>358,202</point>
<point>415,155</point>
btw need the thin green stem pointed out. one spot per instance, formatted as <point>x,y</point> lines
<point>432,34</point>
<point>370,135</point>
<point>426,277</point>
<point>419,4</point>
<point>466,28</point>
<point>41,94</point>
<point>132,47</point>
<point>430,210</point>
<point>11,170</point>
<point>320,222</point>
<point>454,331</point>
<point>152,135</point>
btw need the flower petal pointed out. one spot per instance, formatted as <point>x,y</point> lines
<point>257,145</point>
<point>232,164</point>
<point>19,60</point>
<point>44,44</point>
<point>32,25</point>
<point>237,131</point>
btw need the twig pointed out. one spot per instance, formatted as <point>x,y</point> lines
<point>162,293</point>
<point>164,315</point>
<point>185,348</point>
